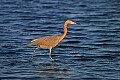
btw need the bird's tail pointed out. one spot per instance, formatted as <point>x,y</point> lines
<point>29,44</point>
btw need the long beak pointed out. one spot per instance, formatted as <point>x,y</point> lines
<point>73,22</point>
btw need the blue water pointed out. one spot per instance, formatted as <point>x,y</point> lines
<point>90,51</point>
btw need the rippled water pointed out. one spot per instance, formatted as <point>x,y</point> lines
<point>90,51</point>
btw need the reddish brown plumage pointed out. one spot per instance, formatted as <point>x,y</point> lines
<point>50,41</point>
<point>46,42</point>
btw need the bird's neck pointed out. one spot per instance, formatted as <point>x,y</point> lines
<point>65,31</point>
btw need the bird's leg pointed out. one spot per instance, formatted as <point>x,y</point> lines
<point>51,54</point>
<point>33,54</point>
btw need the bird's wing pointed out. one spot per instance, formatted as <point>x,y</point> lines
<point>50,41</point>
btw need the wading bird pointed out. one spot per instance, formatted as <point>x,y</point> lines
<point>49,41</point>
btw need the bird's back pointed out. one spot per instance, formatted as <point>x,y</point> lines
<point>46,42</point>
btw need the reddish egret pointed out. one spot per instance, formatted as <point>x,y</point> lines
<point>50,41</point>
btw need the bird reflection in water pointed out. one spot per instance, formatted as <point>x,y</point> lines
<point>52,70</point>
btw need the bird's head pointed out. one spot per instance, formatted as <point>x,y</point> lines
<point>70,22</point>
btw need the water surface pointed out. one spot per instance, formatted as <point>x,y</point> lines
<point>90,51</point>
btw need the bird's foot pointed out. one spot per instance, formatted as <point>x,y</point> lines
<point>30,60</point>
<point>52,60</point>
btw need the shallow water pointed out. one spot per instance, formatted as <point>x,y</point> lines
<point>90,51</point>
